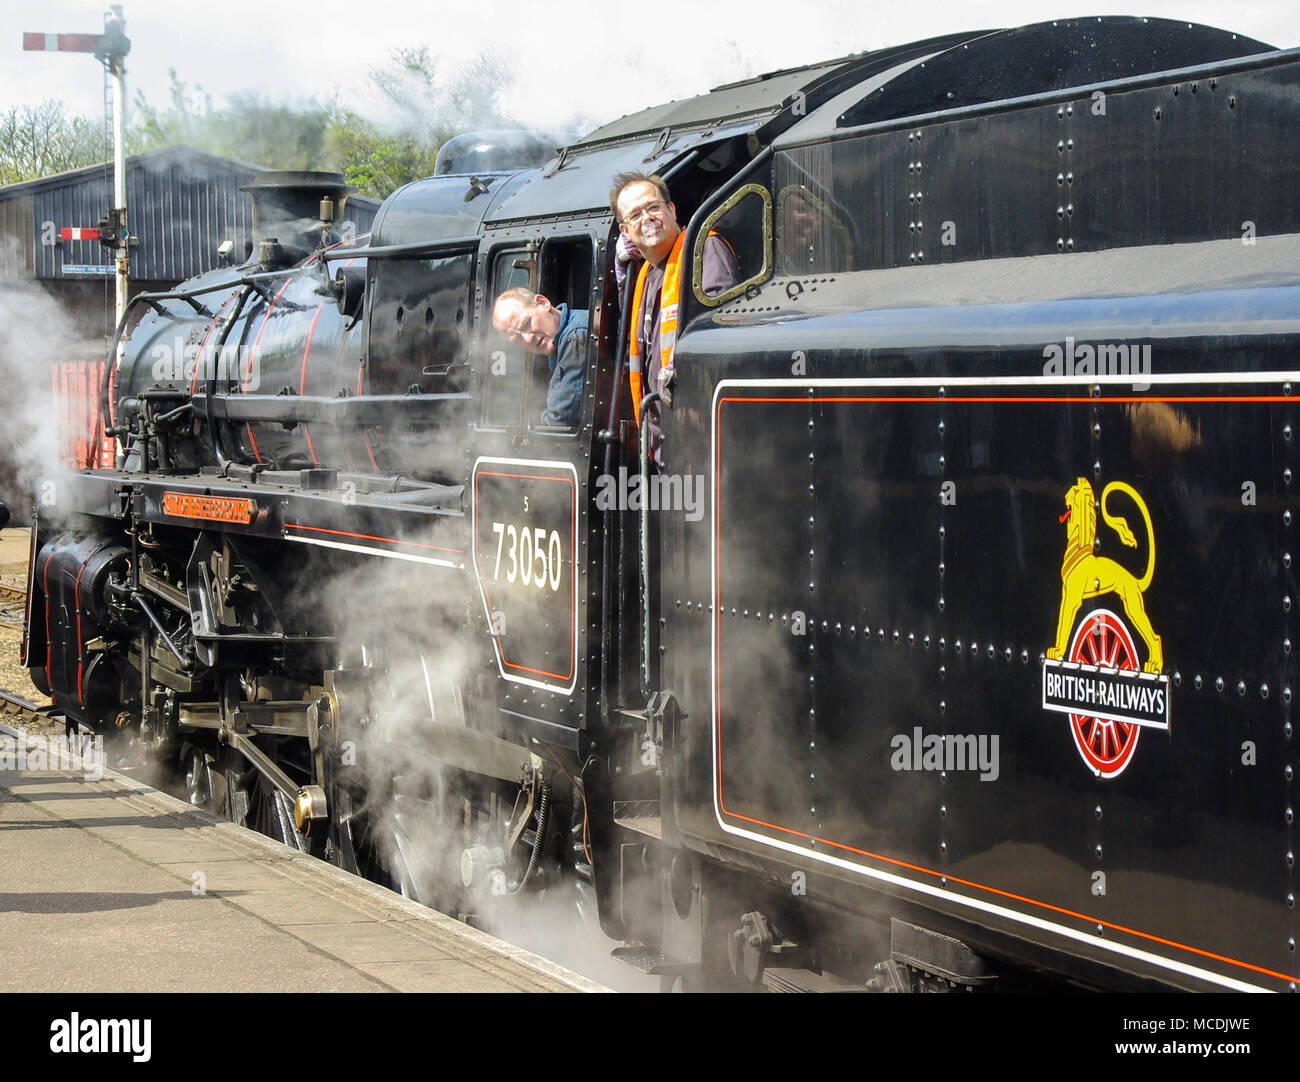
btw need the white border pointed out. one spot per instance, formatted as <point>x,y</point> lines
<point>794,387</point>
<point>365,550</point>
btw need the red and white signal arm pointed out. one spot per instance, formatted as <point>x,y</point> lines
<point>77,232</point>
<point>62,43</point>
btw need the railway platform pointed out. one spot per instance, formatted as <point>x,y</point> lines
<point>107,885</point>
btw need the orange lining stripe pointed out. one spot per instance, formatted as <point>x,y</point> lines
<point>526,476</point>
<point>525,668</point>
<point>76,604</point>
<point>1019,898</point>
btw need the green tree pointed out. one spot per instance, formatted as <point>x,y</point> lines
<point>38,140</point>
<point>415,113</point>
<point>421,103</point>
<point>373,162</point>
<point>287,135</point>
<point>378,146</point>
<point>185,121</point>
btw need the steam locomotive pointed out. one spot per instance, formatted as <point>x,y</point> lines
<point>950,647</point>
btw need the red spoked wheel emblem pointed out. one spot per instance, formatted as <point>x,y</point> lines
<point>1106,746</point>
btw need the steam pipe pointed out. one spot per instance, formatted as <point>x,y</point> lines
<point>105,406</point>
<point>145,675</point>
<point>450,246</point>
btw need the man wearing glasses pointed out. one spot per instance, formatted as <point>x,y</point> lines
<point>557,333</point>
<point>647,220</point>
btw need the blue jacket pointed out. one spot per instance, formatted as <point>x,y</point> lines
<point>564,395</point>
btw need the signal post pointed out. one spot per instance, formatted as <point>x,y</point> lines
<point>110,49</point>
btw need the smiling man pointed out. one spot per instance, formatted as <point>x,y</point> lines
<point>553,332</point>
<point>647,219</point>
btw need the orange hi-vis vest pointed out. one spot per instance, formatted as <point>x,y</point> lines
<point>667,319</point>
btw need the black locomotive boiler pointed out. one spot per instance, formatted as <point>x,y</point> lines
<point>952,645</point>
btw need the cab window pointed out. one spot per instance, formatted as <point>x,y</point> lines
<point>504,370</point>
<point>525,386</point>
<point>744,223</point>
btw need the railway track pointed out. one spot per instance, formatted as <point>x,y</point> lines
<point>24,714</point>
<point>13,605</point>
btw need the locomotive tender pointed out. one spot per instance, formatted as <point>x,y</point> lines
<point>952,646</point>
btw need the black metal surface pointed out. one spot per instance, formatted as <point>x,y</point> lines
<point>922,618</point>
<point>73,572</point>
<point>1048,56</point>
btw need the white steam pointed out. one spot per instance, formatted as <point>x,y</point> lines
<point>421,630</point>
<point>40,428</point>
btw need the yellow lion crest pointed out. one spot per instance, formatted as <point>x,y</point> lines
<point>1084,574</point>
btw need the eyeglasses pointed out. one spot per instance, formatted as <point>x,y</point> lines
<point>634,216</point>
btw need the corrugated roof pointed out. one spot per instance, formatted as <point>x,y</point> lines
<point>182,204</point>
<point>145,160</point>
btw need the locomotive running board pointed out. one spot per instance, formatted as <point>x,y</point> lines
<point>652,961</point>
<point>642,816</point>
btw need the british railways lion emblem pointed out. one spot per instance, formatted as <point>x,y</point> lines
<point>1107,679</point>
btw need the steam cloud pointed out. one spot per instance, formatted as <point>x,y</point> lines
<point>420,625</point>
<point>36,332</point>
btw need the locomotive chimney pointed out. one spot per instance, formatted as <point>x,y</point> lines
<point>287,213</point>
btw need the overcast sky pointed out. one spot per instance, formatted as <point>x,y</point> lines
<point>566,63</point>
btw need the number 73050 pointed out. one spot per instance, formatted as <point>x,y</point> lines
<point>533,557</point>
